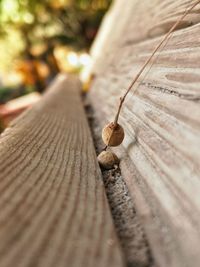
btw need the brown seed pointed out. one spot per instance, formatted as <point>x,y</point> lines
<point>107,160</point>
<point>112,134</point>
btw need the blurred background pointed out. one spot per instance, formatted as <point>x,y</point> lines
<point>38,39</point>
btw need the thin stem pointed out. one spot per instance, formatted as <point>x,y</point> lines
<point>166,37</point>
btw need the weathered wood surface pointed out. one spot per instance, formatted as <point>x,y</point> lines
<point>137,21</point>
<point>162,125</point>
<point>53,207</point>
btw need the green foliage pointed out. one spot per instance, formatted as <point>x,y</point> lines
<point>8,93</point>
<point>5,93</point>
<point>26,24</point>
<point>71,22</point>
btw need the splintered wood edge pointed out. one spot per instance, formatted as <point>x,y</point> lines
<point>53,206</point>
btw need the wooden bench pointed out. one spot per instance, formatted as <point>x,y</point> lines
<point>54,211</point>
<point>161,152</point>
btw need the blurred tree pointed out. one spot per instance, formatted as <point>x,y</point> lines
<point>49,23</point>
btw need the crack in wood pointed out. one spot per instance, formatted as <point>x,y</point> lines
<point>166,90</point>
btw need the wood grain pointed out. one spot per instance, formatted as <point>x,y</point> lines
<point>138,21</point>
<point>53,207</point>
<point>161,164</point>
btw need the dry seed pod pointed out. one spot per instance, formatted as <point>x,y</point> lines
<point>112,134</point>
<point>107,160</point>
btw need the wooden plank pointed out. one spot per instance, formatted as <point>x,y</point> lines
<point>138,21</point>
<point>162,126</point>
<point>53,207</point>
<point>109,30</point>
<point>149,19</point>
